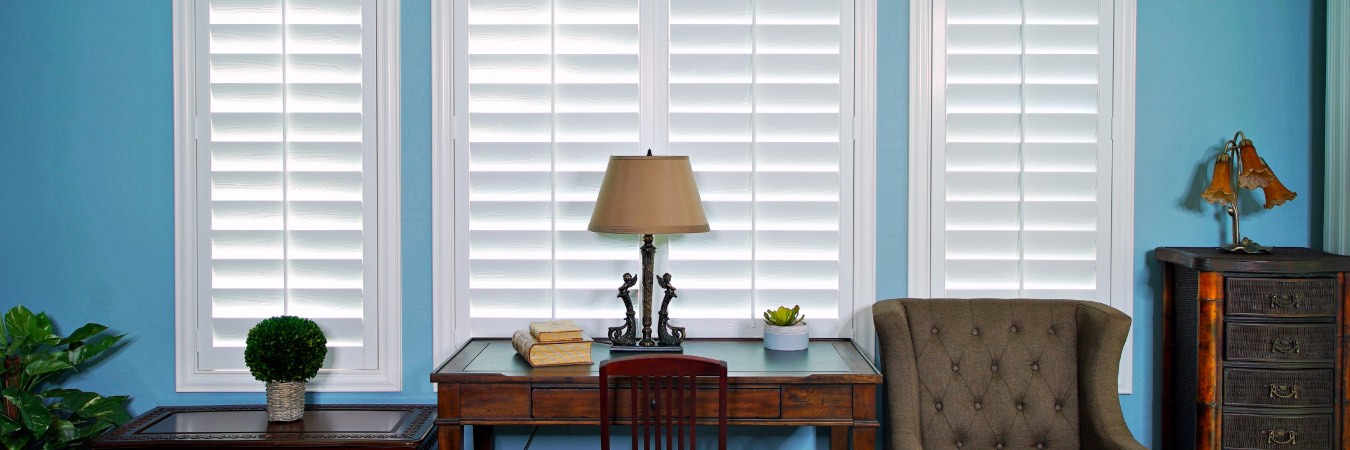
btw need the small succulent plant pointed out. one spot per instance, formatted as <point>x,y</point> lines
<point>784,317</point>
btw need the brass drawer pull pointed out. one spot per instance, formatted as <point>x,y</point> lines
<point>1280,346</point>
<point>1285,301</point>
<point>1283,390</point>
<point>1282,437</point>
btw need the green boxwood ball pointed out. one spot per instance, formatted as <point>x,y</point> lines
<point>285,348</point>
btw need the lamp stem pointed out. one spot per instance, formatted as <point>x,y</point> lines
<point>648,276</point>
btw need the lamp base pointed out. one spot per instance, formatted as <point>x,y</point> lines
<point>1246,246</point>
<point>646,349</point>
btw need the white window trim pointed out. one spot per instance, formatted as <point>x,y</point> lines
<point>389,376</point>
<point>445,238</point>
<point>1336,233</point>
<point>922,34</point>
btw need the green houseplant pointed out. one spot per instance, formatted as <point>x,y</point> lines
<point>285,352</point>
<point>785,329</point>
<point>38,414</point>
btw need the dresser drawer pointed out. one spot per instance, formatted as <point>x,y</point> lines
<point>1273,387</point>
<point>1254,431</point>
<point>1281,297</point>
<point>1277,342</point>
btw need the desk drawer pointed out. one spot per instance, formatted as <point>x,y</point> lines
<point>1272,342</point>
<point>1269,387</point>
<point>742,403</point>
<point>1282,297</point>
<point>1256,431</point>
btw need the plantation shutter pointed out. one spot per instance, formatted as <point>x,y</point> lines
<point>752,91</point>
<point>1022,178</point>
<point>287,142</point>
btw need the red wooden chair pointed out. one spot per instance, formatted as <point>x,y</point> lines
<point>664,386</point>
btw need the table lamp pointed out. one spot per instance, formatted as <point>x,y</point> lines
<point>648,195</point>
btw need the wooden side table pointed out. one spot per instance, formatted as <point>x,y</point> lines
<point>324,427</point>
<point>1256,349</point>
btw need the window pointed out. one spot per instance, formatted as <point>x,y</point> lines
<point>287,185</point>
<point>535,95</point>
<point>1023,127</point>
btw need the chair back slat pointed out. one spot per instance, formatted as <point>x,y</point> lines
<point>662,394</point>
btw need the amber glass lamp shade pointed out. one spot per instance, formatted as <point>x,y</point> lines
<point>1276,194</point>
<point>649,195</point>
<point>1255,172</point>
<point>1221,187</point>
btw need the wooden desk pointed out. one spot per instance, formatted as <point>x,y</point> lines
<point>323,427</point>
<point>830,384</point>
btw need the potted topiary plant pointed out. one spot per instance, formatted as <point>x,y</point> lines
<point>785,329</point>
<point>37,413</point>
<point>285,352</point>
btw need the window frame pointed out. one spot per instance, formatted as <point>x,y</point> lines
<point>389,374</point>
<point>924,33</point>
<point>855,318</point>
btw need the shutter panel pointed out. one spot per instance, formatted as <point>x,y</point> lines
<point>552,91</point>
<point>752,91</point>
<point>288,141</point>
<point>1022,183</point>
<point>755,97</point>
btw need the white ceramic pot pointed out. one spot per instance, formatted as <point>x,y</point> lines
<point>791,338</point>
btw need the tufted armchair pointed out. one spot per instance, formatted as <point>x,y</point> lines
<point>1002,374</point>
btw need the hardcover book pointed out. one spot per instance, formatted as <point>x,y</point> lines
<point>556,331</point>
<point>540,354</point>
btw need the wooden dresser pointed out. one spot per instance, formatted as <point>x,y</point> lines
<point>1258,344</point>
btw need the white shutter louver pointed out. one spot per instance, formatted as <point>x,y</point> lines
<point>1022,185</point>
<point>751,90</point>
<point>287,137</point>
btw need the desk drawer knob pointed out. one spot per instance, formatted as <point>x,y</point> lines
<point>1281,437</point>
<point>1284,346</point>
<point>1285,301</point>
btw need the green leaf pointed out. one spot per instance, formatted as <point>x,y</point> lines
<point>7,425</point>
<point>35,415</point>
<point>107,408</point>
<point>14,441</point>
<point>44,366</point>
<point>18,322</point>
<point>85,332</point>
<point>86,352</point>
<point>65,433</point>
<point>74,400</point>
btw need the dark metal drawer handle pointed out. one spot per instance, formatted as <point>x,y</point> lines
<point>1282,437</point>
<point>1279,346</point>
<point>1283,390</point>
<point>1285,301</point>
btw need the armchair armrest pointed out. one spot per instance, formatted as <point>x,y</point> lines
<point>1101,337</point>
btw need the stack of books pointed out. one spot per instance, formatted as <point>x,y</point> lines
<point>553,343</point>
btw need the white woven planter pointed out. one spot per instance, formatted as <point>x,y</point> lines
<point>285,401</point>
<point>791,338</point>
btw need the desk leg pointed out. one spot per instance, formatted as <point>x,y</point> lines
<point>450,437</point>
<point>839,438</point>
<point>864,438</point>
<point>482,437</point>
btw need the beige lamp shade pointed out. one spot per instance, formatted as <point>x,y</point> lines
<point>649,195</point>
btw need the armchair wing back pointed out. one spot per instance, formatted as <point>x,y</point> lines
<point>1002,374</point>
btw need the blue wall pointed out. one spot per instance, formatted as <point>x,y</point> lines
<point>86,176</point>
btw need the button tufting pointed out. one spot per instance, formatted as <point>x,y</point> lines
<point>978,405</point>
<point>975,332</point>
<point>1019,406</point>
<point>939,406</point>
<point>1041,446</point>
<point>959,444</point>
<point>1014,328</point>
<point>999,446</point>
<point>1035,367</point>
<point>1052,330</point>
<point>1058,407</point>
<point>955,368</point>
<point>994,367</point>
